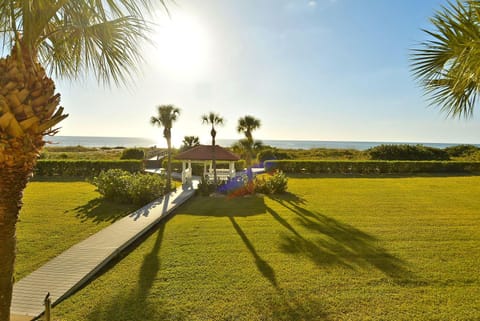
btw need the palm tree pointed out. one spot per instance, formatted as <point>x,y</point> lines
<point>448,65</point>
<point>246,125</point>
<point>190,141</point>
<point>244,148</point>
<point>69,38</point>
<point>167,114</point>
<point>213,119</point>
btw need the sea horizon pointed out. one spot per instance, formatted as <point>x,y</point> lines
<point>106,141</point>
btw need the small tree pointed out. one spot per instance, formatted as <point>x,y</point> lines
<point>246,149</point>
<point>167,114</point>
<point>213,119</point>
<point>246,125</point>
<point>189,142</point>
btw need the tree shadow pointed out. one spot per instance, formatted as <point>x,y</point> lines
<point>101,210</point>
<point>337,243</point>
<point>134,305</point>
<point>150,266</point>
<point>262,265</point>
<point>145,210</point>
<point>286,306</point>
<point>224,207</point>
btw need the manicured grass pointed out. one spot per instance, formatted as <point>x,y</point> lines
<point>57,215</point>
<point>332,249</point>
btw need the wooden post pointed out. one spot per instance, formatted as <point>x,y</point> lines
<point>48,307</point>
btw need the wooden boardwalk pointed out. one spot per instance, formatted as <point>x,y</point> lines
<point>70,270</point>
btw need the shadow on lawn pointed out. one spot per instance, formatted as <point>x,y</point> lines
<point>285,305</point>
<point>224,207</point>
<point>101,210</point>
<point>337,243</point>
<point>134,304</point>
<point>262,265</point>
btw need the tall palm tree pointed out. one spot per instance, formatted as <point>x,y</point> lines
<point>167,114</point>
<point>448,64</point>
<point>213,120</point>
<point>246,125</point>
<point>190,141</point>
<point>69,38</point>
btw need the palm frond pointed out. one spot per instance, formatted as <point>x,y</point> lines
<point>448,64</point>
<point>72,38</point>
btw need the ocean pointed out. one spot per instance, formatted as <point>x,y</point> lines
<point>90,141</point>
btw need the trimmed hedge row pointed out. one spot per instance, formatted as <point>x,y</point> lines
<point>371,167</point>
<point>84,168</point>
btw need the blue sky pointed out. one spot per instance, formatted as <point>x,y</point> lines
<point>310,70</point>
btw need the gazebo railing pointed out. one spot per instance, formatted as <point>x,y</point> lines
<point>222,175</point>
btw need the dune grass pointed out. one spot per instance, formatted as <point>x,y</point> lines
<point>57,215</point>
<point>331,249</point>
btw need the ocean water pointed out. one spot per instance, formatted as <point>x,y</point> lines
<point>90,141</point>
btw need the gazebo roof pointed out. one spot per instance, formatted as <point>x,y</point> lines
<point>204,153</point>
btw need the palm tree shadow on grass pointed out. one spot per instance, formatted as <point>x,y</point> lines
<point>224,207</point>
<point>285,305</point>
<point>338,243</point>
<point>244,206</point>
<point>135,305</point>
<point>101,210</point>
<point>262,265</point>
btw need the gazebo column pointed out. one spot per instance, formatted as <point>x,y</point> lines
<point>204,169</point>
<point>232,170</point>
<point>210,171</point>
<point>183,172</point>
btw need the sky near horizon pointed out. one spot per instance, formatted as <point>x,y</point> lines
<point>308,69</point>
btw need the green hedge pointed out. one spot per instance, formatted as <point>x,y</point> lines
<point>372,167</point>
<point>84,168</point>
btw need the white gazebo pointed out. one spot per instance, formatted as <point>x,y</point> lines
<point>203,154</point>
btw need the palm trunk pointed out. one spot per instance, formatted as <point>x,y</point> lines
<point>28,110</point>
<point>248,158</point>
<point>214,163</point>
<point>169,165</point>
<point>12,183</point>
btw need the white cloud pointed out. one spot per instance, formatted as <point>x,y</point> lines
<point>312,3</point>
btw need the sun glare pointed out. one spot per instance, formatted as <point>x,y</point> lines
<point>182,46</point>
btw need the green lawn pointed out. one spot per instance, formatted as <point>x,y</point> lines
<point>57,215</point>
<point>332,249</point>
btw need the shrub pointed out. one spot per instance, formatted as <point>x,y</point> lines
<point>83,168</point>
<point>113,184</point>
<point>125,187</point>
<point>407,152</point>
<point>271,153</point>
<point>145,188</point>
<point>132,153</point>
<point>274,184</point>
<point>461,150</point>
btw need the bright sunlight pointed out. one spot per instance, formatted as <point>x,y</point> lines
<point>182,46</point>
